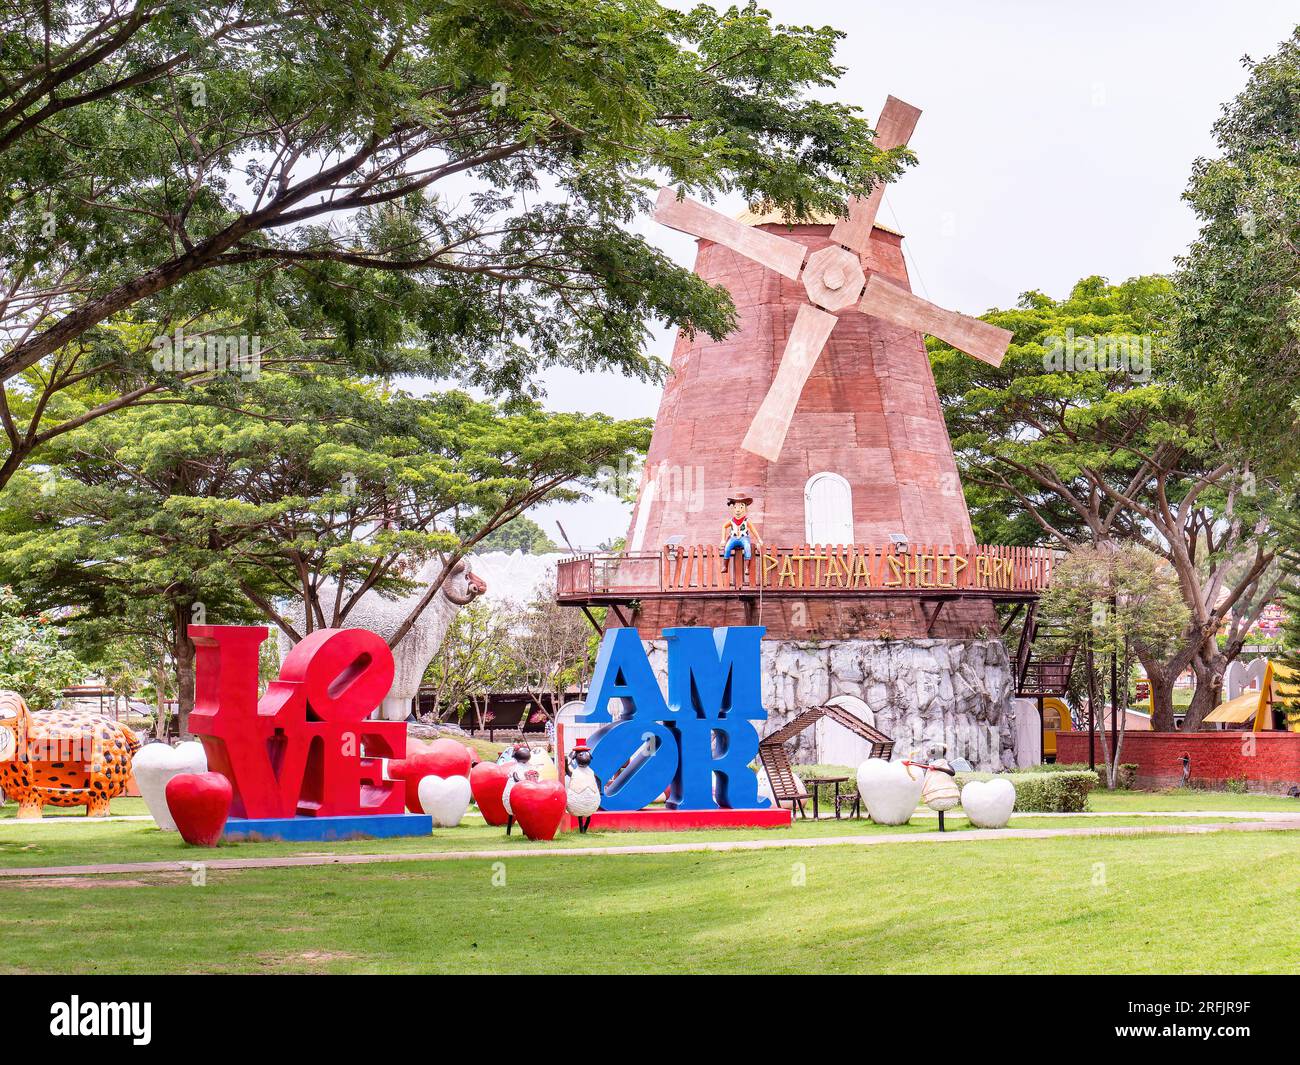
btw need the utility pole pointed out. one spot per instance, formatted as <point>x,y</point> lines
<point>1092,709</point>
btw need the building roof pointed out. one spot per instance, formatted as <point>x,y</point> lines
<point>1236,711</point>
<point>817,218</point>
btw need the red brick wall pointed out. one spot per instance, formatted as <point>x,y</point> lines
<point>1269,761</point>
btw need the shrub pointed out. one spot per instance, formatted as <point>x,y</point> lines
<point>1059,792</point>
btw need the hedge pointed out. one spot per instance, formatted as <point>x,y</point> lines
<point>1127,772</point>
<point>1061,792</point>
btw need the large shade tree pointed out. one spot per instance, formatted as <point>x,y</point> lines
<point>1238,326</point>
<point>439,187</point>
<point>1082,436</point>
<point>315,490</point>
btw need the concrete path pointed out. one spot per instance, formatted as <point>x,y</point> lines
<point>73,819</point>
<point>1286,822</point>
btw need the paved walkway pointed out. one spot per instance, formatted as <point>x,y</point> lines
<point>1274,821</point>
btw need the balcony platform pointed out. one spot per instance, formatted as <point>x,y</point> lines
<point>938,574</point>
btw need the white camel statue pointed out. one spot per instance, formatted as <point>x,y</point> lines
<point>382,616</point>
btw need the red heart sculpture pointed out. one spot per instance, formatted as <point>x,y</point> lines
<point>538,807</point>
<point>487,781</point>
<point>447,758</point>
<point>199,804</point>
<point>442,758</point>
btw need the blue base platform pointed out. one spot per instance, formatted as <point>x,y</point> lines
<point>372,826</point>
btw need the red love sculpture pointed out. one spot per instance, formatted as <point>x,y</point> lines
<point>538,807</point>
<point>487,781</point>
<point>199,804</point>
<point>306,748</point>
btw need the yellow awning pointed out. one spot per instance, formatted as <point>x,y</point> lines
<point>1236,711</point>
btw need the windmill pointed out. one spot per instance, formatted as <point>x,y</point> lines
<point>834,280</point>
<point>821,405</point>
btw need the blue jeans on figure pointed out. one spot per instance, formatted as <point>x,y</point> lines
<point>741,542</point>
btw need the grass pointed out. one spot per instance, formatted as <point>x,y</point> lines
<point>1190,800</point>
<point>24,845</point>
<point>1015,906</point>
<point>93,842</point>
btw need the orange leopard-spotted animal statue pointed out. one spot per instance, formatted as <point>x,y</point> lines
<point>62,757</point>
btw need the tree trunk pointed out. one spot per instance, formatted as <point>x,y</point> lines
<point>1162,699</point>
<point>183,654</point>
<point>1208,667</point>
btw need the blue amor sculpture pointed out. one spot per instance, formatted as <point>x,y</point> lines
<point>702,734</point>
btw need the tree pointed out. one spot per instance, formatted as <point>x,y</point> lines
<point>552,646</point>
<point>433,187</point>
<point>522,534</point>
<point>1081,435</point>
<point>1238,324</point>
<point>166,515</point>
<point>1119,600</point>
<point>33,660</point>
<point>473,661</point>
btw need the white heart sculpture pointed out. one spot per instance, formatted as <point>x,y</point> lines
<point>445,799</point>
<point>889,792</point>
<point>156,763</point>
<point>988,803</point>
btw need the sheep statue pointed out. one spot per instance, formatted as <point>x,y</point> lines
<point>382,616</point>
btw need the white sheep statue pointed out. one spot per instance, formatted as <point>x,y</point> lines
<point>382,616</point>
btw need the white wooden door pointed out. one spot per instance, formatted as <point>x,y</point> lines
<point>828,509</point>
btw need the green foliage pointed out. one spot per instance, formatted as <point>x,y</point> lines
<point>473,660</point>
<point>406,187</point>
<point>1072,404</point>
<point>1239,285</point>
<point>172,513</point>
<point>33,661</point>
<point>1127,777</point>
<point>1113,601</point>
<point>522,534</point>
<point>1085,434</point>
<point>1060,792</point>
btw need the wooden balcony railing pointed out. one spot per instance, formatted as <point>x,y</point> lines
<point>807,569</point>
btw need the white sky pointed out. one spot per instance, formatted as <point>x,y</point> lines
<point>1055,143</point>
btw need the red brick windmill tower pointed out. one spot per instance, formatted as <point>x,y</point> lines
<point>821,404</point>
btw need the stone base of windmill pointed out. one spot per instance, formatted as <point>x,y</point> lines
<point>921,692</point>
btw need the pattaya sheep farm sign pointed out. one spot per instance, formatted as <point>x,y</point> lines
<point>697,745</point>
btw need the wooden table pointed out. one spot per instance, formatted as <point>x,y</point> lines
<point>817,783</point>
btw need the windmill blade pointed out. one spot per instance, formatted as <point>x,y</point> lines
<point>767,431</point>
<point>690,216</point>
<point>897,121</point>
<point>985,342</point>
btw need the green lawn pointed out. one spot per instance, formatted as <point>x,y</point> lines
<point>1059,905</point>
<point>1190,799</point>
<point>89,843</point>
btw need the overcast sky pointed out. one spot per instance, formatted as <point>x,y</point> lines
<point>1055,142</point>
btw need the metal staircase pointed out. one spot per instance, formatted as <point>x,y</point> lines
<point>1040,674</point>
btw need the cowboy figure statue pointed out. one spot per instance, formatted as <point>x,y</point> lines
<point>739,533</point>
